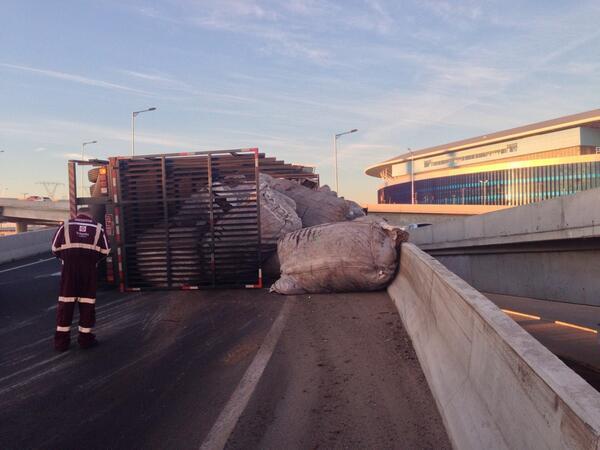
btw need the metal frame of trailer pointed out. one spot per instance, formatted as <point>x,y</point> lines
<point>183,220</point>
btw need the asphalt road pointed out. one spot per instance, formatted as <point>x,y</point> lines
<point>343,373</point>
<point>577,348</point>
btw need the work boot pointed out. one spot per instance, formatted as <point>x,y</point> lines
<point>62,340</point>
<point>87,340</point>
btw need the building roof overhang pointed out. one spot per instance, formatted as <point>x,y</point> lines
<point>588,118</point>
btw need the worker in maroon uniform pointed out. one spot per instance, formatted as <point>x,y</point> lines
<point>81,244</point>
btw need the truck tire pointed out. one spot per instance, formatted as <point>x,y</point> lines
<point>93,174</point>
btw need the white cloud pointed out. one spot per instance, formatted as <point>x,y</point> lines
<point>71,155</point>
<point>161,81</point>
<point>305,7</point>
<point>454,11</point>
<point>280,34</point>
<point>75,78</point>
<point>153,77</point>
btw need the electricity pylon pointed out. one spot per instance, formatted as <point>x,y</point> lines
<point>50,187</point>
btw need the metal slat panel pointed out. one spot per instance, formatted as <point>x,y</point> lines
<point>191,220</point>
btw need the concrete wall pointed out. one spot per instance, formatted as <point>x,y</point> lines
<point>548,250</point>
<point>22,245</point>
<point>401,214</point>
<point>564,276</point>
<point>568,217</point>
<point>403,219</point>
<point>495,386</point>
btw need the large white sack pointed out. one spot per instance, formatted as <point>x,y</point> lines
<point>361,255</point>
<point>315,207</point>
<point>277,215</point>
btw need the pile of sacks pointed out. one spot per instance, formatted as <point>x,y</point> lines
<point>312,240</point>
<point>336,248</point>
<point>313,207</point>
<point>285,206</point>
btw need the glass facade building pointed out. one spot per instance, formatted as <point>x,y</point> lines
<point>507,168</point>
<point>500,187</point>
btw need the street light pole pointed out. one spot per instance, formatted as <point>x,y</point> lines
<point>412,177</point>
<point>335,164</point>
<point>1,151</point>
<point>133,116</point>
<point>83,144</point>
<point>335,168</point>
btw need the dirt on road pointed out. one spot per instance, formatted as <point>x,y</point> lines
<point>344,375</point>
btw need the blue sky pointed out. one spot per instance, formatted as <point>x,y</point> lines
<point>282,76</point>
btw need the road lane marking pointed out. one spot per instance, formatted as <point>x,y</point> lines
<point>48,275</point>
<point>520,314</point>
<point>557,322</point>
<point>577,327</point>
<point>27,265</point>
<point>227,420</point>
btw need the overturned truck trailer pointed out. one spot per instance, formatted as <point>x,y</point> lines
<point>182,220</point>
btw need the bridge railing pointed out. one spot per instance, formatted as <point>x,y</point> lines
<point>494,384</point>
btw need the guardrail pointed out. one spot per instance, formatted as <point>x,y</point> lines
<point>495,385</point>
<point>22,245</point>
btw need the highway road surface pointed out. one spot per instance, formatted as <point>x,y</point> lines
<point>210,369</point>
<point>568,330</point>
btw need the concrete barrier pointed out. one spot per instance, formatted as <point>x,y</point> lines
<point>402,215</point>
<point>569,217</point>
<point>22,245</point>
<point>495,385</point>
<point>548,250</point>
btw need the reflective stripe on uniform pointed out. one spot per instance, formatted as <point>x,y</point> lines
<point>66,233</point>
<point>97,236</point>
<point>63,329</point>
<point>54,247</point>
<point>96,248</point>
<point>88,300</point>
<point>77,222</point>
<point>85,330</point>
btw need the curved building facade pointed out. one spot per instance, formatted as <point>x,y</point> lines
<point>511,167</point>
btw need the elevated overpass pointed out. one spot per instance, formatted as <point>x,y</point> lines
<point>24,212</point>
<point>548,250</point>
